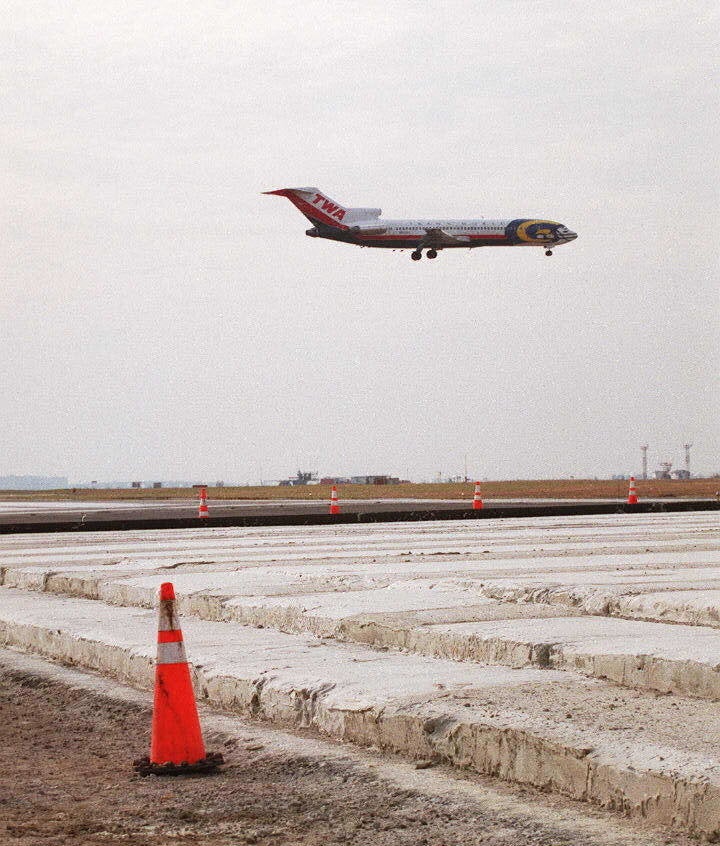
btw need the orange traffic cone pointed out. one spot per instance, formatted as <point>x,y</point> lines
<point>632,493</point>
<point>203,510</point>
<point>334,504</point>
<point>177,746</point>
<point>477,501</point>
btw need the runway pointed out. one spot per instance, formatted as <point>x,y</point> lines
<point>119,515</point>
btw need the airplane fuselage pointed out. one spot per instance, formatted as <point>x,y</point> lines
<point>482,232</point>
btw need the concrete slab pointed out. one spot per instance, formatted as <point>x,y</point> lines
<point>495,720</point>
<point>539,580</point>
<point>700,607</point>
<point>645,656</point>
<point>394,605</point>
<point>621,596</point>
<point>435,593</point>
<point>407,616</point>
<point>621,534</point>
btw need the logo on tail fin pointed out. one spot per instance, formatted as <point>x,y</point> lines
<point>328,207</point>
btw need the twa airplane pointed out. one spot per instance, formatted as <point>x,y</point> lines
<point>365,228</point>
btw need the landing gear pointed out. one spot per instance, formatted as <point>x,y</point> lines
<point>416,255</point>
<point>548,252</point>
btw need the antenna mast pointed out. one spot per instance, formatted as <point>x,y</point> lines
<point>644,449</point>
<point>687,458</point>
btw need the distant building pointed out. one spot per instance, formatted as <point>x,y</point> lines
<point>663,471</point>
<point>302,478</point>
<point>32,483</point>
<point>374,480</point>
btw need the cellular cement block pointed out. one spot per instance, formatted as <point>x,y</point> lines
<point>470,591</point>
<point>542,728</point>
<point>646,656</point>
<point>530,539</point>
<point>360,602</point>
<point>699,607</point>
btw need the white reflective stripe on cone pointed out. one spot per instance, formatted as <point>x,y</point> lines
<point>169,623</point>
<point>167,618</point>
<point>171,653</point>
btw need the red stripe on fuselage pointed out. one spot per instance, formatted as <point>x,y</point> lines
<point>410,237</point>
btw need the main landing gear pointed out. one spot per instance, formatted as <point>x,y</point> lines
<point>548,252</point>
<point>416,255</point>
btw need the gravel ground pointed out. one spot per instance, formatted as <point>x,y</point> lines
<point>65,765</point>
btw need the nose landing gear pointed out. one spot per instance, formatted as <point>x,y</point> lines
<point>548,252</point>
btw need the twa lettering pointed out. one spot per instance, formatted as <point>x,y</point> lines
<point>330,208</point>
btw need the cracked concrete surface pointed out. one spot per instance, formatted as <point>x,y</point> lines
<point>535,650</point>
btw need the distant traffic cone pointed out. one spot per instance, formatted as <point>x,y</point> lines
<point>632,493</point>
<point>477,501</point>
<point>334,504</point>
<point>203,509</point>
<point>177,746</point>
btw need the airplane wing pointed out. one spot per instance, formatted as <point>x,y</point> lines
<point>439,238</point>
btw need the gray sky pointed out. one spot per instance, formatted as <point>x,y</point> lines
<point>162,319</point>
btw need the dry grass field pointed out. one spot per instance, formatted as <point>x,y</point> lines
<point>512,489</point>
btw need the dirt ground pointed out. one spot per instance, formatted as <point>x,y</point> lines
<point>510,489</point>
<point>66,778</point>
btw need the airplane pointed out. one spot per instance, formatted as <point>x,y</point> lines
<point>364,228</point>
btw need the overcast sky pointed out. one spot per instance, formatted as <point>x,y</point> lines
<point>163,319</point>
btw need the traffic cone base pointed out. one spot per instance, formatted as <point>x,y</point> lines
<point>177,746</point>
<point>209,764</point>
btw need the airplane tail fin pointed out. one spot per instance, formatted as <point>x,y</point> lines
<point>319,209</point>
